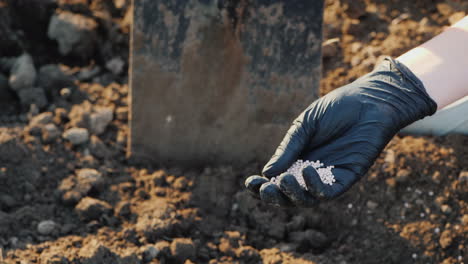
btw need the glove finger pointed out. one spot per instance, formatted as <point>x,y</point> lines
<point>253,184</point>
<point>319,189</point>
<point>288,151</point>
<point>295,192</point>
<point>271,194</point>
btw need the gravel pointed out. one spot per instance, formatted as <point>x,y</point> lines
<point>150,252</point>
<point>47,227</point>
<point>76,135</point>
<point>100,119</point>
<point>115,65</point>
<point>90,176</point>
<point>92,209</point>
<point>75,33</point>
<point>23,73</point>
<point>50,133</point>
<point>41,119</point>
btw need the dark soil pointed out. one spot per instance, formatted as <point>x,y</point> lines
<point>410,208</point>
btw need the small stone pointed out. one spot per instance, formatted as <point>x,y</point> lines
<point>402,176</point>
<point>183,249</point>
<point>47,227</point>
<point>115,65</point>
<point>465,219</point>
<point>330,48</point>
<point>120,3</point>
<point>100,119</point>
<point>437,177</point>
<point>446,239</point>
<point>41,119</point>
<point>65,92</point>
<point>50,133</point>
<point>90,176</point>
<point>92,209</point>
<point>76,135</point>
<point>23,73</point>
<point>75,33</point>
<point>454,18</point>
<point>446,209</point>
<point>372,205</point>
<point>463,176</point>
<point>444,8</point>
<point>149,253</point>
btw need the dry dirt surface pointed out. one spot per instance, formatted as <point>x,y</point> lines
<point>68,194</point>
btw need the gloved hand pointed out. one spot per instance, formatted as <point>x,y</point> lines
<point>347,128</point>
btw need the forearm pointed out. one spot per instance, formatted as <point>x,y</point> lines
<point>442,64</point>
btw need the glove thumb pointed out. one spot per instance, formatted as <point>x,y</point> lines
<point>289,149</point>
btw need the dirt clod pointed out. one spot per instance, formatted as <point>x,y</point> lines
<point>92,209</point>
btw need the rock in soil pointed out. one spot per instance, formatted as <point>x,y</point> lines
<point>75,187</point>
<point>75,33</point>
<point>76,135</point>
<point>149,253</point>
<point>23,73</point>
<point>41,119</point>
<point>47,227</point>
<point>100,119</point>
<point>50,133</point>
<point>115,65</point>
<point>90,176</point>
<point>92,209</point>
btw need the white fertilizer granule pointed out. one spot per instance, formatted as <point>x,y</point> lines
<point>325,173</point>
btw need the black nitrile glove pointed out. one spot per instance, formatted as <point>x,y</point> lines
<point>347,128</point>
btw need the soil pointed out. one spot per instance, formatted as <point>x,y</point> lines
<point>411,207</point>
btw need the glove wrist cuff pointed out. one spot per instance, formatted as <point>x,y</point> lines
<point>408,75</point>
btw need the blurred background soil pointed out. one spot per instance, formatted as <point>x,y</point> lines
<point>69,194</point>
